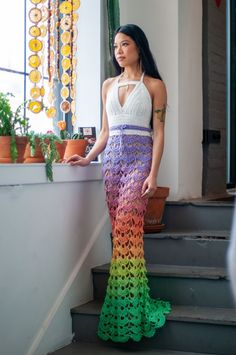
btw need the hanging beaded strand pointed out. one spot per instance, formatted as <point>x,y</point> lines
<point>65,10</point>
<point>35,45</point>
<point>51,111</point>
<point>75,7</point>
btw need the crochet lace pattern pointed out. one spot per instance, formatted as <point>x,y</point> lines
<point>128,312</point>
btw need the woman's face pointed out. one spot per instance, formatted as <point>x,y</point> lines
<point>125,50</point>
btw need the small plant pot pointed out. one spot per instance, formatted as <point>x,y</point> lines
<point>155,209</point>
<point>75,146</point>
<point>61,148</point>
<point>38,156</point>
<point>5,149</point>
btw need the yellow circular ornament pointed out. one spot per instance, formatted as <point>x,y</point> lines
<point>73,120</point>
<point>35,76</point>
<point>74,61</point>
<point>35,92</point>
<point>34,61</point>
<point>72,106</point>
<point>35,45</point>
<point>65,79</point>
<point>72,93</point>
<point>75,4</point>
<point>65,50</point>
<point>35,2</point>
<point>65,7</point>
<point>35,15</point>
<point>42,91</point>
<point>75,17</point>
<point>65,37</point>
<point>74,33</point>
<point>65,106</point>
<point>43,30</point>
<point>65,23</point>
<point>51,112</point>
<point>73,77</point>
<point>66,63</point>
<point>35,106</point>
<point>64,92</point>
<point>34,31</point>
<point>52,41</point>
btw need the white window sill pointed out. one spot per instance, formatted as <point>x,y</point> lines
<point>23,174</point>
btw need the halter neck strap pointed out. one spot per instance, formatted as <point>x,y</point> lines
<point>129,81</point>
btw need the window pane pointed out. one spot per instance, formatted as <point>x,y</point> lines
<point>13,83</point>
<point>39,122</point>
<point>12,35</point>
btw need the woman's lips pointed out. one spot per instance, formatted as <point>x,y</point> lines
<point>120,58</point>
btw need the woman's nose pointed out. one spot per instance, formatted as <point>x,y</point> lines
<point>119,49</point>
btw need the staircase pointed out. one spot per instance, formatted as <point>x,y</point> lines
<point>186,265</point>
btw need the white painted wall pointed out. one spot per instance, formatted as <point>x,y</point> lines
<point>173,28</point>
<point>190,99</point>
<point>44,231</point>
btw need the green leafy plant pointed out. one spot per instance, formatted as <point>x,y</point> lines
<point>12,123</point>
<point>48,148</point>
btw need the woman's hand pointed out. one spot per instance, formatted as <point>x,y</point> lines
<point>77,160</point>
<point>149,187</point>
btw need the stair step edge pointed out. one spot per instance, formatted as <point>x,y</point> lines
<point>185,271</point>
<point>196,314</point>
<point>82,348</point>
<point>210,235</point>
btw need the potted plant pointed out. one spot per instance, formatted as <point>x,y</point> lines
<point>42,148</point>
<point>155,210</point>
<point>13,129</point>
<point>76,144</point>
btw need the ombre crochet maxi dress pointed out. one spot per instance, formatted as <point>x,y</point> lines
<point>128,312</point>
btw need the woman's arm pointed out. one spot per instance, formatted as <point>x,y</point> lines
<point>159,94</point>
<point>101,142</point>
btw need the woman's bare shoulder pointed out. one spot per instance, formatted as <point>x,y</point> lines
<point>108,82</point>
<point>154,84</point>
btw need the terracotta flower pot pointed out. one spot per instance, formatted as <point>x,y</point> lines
<point>5,149</point>
<point>75,146</point>
<point>21,143</point>
<point>37,158</point>
<point>155,210</point>
<point>61,147</point>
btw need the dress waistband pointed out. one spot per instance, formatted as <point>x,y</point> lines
<point>123,127</point>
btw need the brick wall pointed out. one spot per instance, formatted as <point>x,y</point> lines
<point>214,95</point>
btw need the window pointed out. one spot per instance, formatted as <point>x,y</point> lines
<point>14,68</point>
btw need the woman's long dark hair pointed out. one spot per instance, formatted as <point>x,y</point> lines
<point>146,58</point>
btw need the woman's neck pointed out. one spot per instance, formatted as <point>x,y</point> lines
<point>131,74</point>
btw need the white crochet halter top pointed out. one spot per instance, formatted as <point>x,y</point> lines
<point>134,116</point>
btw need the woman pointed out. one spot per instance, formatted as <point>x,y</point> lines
<point>134,101</point>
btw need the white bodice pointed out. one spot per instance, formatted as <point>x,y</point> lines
<point>136,111</point>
